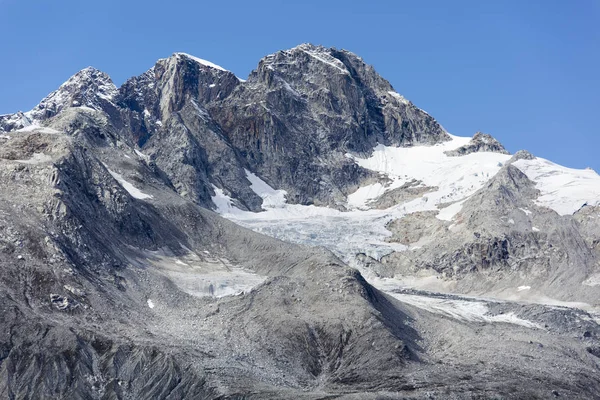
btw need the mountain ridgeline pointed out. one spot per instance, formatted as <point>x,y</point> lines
<point>291,122</point>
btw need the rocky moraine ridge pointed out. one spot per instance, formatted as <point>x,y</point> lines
<point>358,250</point>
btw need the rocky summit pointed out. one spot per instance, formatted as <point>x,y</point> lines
<point>305,233</point>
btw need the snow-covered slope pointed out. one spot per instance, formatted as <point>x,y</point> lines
<point>565,190</point>
<point>362,229</point>
<point>451,178</point>
<point>271,198</point>
<point>201,61</point>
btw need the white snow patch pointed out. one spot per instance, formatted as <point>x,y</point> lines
<point>526,211</point>
<point>521,288</point>
<point>212,85</point>
<point>535,229</point>
<point>593,280</point>
<point>132,190</point>
<point>271,198</point>
<point>448,213</point>
<point>150,303</point>
<point>464,310</point>
<point>399,97</point>
<point>36,158</point>
<point>203,62</point>
<point>223,202</point>
<point>37,128</point>
<point>85,108</point>
<point>365,194</point>
<point>141,155</point>
<point>564,190</point>
<point>329,60</point>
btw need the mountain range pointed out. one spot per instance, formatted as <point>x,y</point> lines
<point>305,233</point>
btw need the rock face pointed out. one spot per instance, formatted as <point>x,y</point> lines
<point>119,282</point>
<point>502,238</point>
<point>90,312</point>
<point>480,142</point>
<point>302,109</point>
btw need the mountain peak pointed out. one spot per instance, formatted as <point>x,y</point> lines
<point>200,61</point>
<point>481,142</point>
<point>308,53</point>
<point>89,75</point>
<point>89,87</point>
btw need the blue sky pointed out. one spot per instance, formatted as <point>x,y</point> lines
<point>525,71</point>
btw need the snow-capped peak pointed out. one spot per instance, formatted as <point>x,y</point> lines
<point>100,81</point>
<point>201,61</point>
<point>89,87</point>
<point>565,190</point>
<point>321,54</point>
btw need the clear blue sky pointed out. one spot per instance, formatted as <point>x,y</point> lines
<point>525,71</point>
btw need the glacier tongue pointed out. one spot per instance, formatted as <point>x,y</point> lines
<point>363,230</point>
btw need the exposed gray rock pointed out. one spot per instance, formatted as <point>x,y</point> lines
<point>479,143</point>
<point>302,109</point>
<point>521,155</point>
<point>405,193</point>
<point>501,238</point>
<point>416,227</point>
<point>87,88</point>
<point>11,122</point>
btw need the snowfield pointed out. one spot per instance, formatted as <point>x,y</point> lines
<point>565,190</point>
<point>362,229</point>
<point>455,178</point>
<point>450,180</point>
